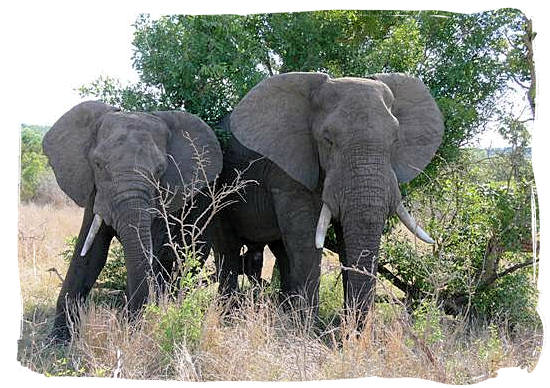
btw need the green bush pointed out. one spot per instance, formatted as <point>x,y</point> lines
<point>331,296</point>
<point>482,230</point>
<point>34,164</point>
<point>427,322</point>
<point>113,275</point>
<point>181,323</point>
<point>512,299</point>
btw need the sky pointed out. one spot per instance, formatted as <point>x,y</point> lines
<point>50,48</point>
<point>61,54</point>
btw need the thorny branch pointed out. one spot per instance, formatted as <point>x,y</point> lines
<point>193,220</point>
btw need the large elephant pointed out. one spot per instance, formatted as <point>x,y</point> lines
<point>324,149</point>
<point>106,161</point>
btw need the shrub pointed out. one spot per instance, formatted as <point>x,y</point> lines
<point>33,162</point>
<point>331,296</point>
<point>427,322</point>
<point>512,299</point>
<point>180,323</point>
<point>113,275</point>
<point>481,226</point>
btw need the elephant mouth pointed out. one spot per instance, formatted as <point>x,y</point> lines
<point>404,216</point>
<point>134,203</point>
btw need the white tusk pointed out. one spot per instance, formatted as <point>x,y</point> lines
<point>322,226</point>
<point>91,234</point>
<point>412,225</point>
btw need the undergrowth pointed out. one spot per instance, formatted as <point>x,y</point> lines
<point>194,337</point>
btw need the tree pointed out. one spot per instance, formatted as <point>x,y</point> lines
<point>34,163</point>
<point>206,64</point>
<point>478,210</point>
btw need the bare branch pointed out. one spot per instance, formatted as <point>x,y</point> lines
<point>55,271</point>
<point>507,271</point>
<point>403,286</point>
<point>186,227</point>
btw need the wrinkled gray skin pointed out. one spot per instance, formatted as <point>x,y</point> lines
<point>346,143</point>
<point>103,159</point>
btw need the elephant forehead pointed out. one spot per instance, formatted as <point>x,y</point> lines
<point>365,89</point>
<point>350,102</point>
<point>355,93</point>
<point>133,127</point>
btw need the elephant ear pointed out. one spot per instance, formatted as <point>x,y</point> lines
<point>273,119</point>
<point>67,144</point>
<point>188,132</point>
<point>420,124</point>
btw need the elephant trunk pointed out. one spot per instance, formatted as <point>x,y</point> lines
<point>362,226</point>
<point>369,195</point>
<point>133,225</point>
<point>362,236</point>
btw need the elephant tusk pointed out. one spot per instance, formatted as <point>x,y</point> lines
<point>322,226</point>
<point>91,234</point>
<point>412,225</point>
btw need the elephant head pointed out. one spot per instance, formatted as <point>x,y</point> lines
<point>352,139</point>
<point>98,152</point>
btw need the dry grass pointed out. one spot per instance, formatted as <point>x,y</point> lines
<point>261,342</point>
<point>194,339</point>
<point>42,233</point>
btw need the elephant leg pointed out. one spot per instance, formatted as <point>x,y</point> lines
<point>297,211</point>
<point>281,261</point>
<point>227,249</point>
<point>228,264</point>
<point>164,259</point>
<point>81,275</point>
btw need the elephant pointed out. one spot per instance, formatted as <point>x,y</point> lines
<point>324,150</point>
<point>106,161</point>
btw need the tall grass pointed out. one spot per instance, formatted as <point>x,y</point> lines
<point>193,337</point>
<point>42,233</point>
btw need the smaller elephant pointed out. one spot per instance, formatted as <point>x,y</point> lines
<point>253,261</point>
<point>107,161</point>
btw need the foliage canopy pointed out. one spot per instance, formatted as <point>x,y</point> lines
<point>206,64</point>
<point>34,163</point>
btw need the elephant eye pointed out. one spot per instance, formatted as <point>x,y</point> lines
<point>99,164</point>
<point>327,139</point>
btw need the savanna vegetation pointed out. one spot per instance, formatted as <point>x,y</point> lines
<point>455,312</point>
